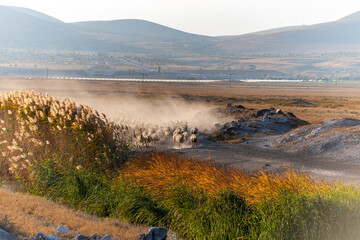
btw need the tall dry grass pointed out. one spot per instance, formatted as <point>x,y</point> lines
<point>205,201</point>
<point>159,172</point>
<point>34,126</point>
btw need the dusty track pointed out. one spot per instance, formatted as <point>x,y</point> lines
<point>258,155</point>
<point>333,101</point>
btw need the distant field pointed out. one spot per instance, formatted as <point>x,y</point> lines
<point>332,100</point>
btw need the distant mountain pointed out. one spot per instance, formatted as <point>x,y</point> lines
<point>341,35</point>
<point>25,28</point>
<point>136,28</point>
<point>28,29</point>
<point>142,36</point>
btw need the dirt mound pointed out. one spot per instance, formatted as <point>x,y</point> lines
<point>250,123</point>
<point>339,136</point>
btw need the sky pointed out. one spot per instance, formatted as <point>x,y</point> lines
<point>206,17</point>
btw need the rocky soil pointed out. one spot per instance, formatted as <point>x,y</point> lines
<point>271,141</point>
<point>249,123</point>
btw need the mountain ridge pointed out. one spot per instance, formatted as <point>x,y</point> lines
<point>26,28</point>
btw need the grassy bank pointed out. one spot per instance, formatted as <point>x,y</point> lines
<point>198,200</point>
<point>73,155</point>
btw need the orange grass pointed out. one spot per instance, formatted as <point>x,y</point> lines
<point>30,215</point>
<point>160,172</point>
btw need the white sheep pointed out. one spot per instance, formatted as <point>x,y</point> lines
<point>193,140</point>
<point>186,136</point>
<point>194,130</point>
<point>179,139</point>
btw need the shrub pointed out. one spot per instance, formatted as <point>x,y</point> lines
<point>34,126</point>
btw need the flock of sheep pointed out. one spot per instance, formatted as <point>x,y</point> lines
<point>145,135</point>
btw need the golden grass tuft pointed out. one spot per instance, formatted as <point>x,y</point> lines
<point>34,126</point>
<point>160,172</point>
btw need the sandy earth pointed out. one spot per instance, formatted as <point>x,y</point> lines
<point>255,155</point>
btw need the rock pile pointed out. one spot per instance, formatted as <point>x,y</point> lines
<point>155,233</point>
<point>257,123</point>
<point>42,236</point>
<point>333,136</point>
<point>62,231</point>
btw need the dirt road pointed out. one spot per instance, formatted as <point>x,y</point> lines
<point>256,155</point>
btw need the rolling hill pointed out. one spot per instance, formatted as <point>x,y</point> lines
<point>27,29</point>
<point>341,35</point>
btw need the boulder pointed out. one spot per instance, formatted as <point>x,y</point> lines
<point>240,107</point>
<point>107,237</point>
<point>95,236</point>
<point>7,236</point>
<point>290,114</point>
<point>155,233</point>
<point>80,237</point>
<point>62,230</point>
<point>302,103</point>
<point>279,111</point>
<point>262,112</point>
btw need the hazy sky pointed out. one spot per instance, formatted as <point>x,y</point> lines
<point>209,17</point>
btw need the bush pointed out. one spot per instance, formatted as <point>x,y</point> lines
<point>34,126</point>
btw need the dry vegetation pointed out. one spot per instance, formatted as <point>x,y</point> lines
<point>159,172</point>
<point>28,215</point>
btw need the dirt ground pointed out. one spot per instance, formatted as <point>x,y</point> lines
<point>330,101</point>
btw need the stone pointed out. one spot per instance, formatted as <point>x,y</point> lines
<point>279,111</point>
<point>106,237</point>
<point>52,237</point>
<point>156,233</point>
<point>302,103</point>
<point>262,112</point>
<point>290,114</point>
<point>62,230</point>
<point>40,236</point>
<point>80,237</point>
<point>7,236</point>
<point>95,236</point>
<point>240,107</point>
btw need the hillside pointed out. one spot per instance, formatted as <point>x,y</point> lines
<point>31,30</point>
<point>341,35</point>
<point>25,28</point>
<point>136,28</point>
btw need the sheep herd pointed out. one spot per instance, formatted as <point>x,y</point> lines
<point>147,135</point>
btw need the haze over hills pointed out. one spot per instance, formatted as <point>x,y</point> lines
<point>341,35</point>
<point>136,28</point>
<point>25,28</point>
<point>118,46</point>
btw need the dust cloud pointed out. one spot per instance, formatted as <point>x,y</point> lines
<point>132,111</point>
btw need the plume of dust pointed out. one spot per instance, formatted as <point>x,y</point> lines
<point>156,112</point>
